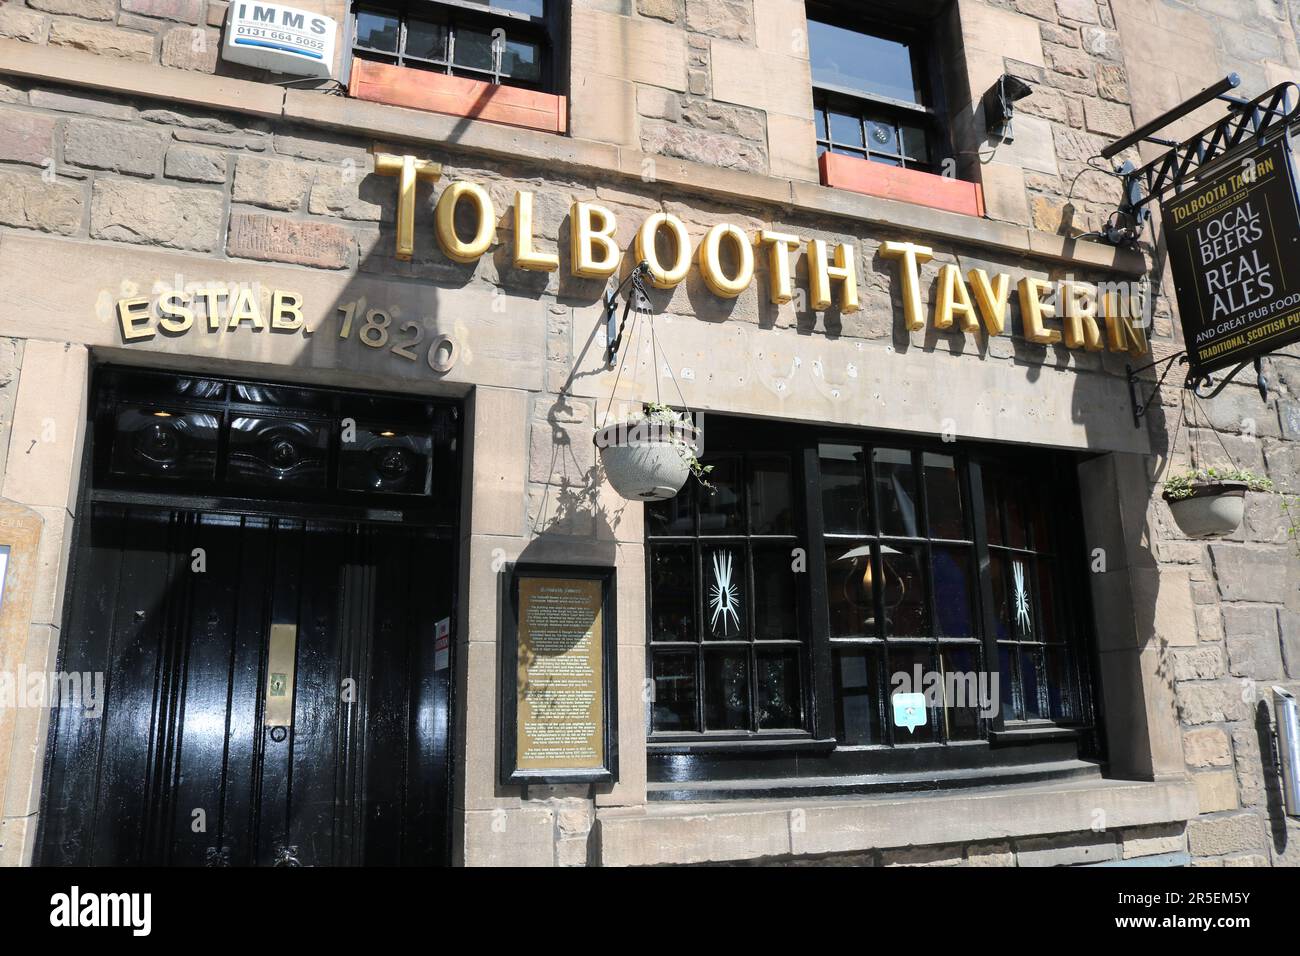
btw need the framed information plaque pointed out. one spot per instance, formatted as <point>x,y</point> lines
<point>559,721</point>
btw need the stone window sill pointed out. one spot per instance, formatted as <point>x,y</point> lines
<point>457,96</point>
<point>1036,732</point>
<point>902,185</point>
<point>663,833</point>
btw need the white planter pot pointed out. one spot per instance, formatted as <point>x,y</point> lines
<point>1212,511</point>
<point>642,462</point>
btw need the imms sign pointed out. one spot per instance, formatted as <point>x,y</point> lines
<point>280,39</point>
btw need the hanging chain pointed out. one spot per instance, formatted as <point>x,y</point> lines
<point>1232,461</point>
<point>637,298</point>
<point>1182,417</point>
<point>622,361</point>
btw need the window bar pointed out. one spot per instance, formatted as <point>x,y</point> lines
<point>984,577</point>
<point>984,663</point>
<point>877,559</point>
<point>1078,613</point>
<point>1016,677</point>
<point>697,569</point>
<point>745,547</point>
<point>927,569</point>
<point>1044,694</point>
<point>821,655</point>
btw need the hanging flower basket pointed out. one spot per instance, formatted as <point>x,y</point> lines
<point>650,457</point>
<point>1211,503</point>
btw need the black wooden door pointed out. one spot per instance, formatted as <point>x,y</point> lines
<point>175,608</point>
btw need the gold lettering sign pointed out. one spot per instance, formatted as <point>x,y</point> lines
<point>661,276</point>
<point>408,170</point>
<point>954,302</point>
<point>228,308</point>
<point>779,246</point>
<point>1079,318</point>
<point>821,273</point>
<point>455,248</point>
<point>594,252</point>
<point>1033,310</point>
<point>960,303</point>
<point>992,295</point>
<point>526,255</point>
<point>911,255</point>
<point>715,276</point>
<point>1124,331</point>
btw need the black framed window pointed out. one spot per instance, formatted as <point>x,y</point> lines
<point>1030,602</point>
<point>901,595</point>
<point>218,438</point>
<point>876,93</point>
<point>831,571</point>
<point>511,42</point>
<point>727,651</point>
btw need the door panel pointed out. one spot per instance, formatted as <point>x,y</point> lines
<point>320,746</point>
<point>272,765</point>
<point>387,724</point>
<point>138,690</point>
<point>68,820</point>
<point>199,755</point>
<point>427,800</point>
<point>252,545</point>
<point>179,768</point>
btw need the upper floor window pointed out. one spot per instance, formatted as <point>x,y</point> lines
<point>511,42</point>
<point>874,92</point>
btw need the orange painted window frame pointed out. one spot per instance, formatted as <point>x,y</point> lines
<point>904,185</point>
<point>457,96</point>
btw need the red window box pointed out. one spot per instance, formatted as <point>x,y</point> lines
<point>904,185</point>
<point>457,96</point>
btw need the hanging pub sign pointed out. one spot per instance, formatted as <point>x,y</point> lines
<point>1234,247</point>
<point>559,706</point>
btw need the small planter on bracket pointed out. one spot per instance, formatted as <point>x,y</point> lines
<point>1211,503</point>
<point>649,457</point>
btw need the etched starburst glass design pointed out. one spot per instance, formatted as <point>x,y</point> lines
<point>724,595</point>
<point>1021,598</point>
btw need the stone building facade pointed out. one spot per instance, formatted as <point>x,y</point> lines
<point>134,159</point>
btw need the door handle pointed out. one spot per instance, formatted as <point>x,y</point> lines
<point>280,657</point>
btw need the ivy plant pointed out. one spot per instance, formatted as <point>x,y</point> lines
<point>1291,509</point>
<point>1184,484</point>
<point>673,422</point>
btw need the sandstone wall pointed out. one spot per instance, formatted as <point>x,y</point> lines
<point>672,83</point>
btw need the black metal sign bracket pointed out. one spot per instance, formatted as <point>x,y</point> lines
<point>638,300</point>
<point>1139,405</point>
<point>1248,122</point>
<point>1203,387</point>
